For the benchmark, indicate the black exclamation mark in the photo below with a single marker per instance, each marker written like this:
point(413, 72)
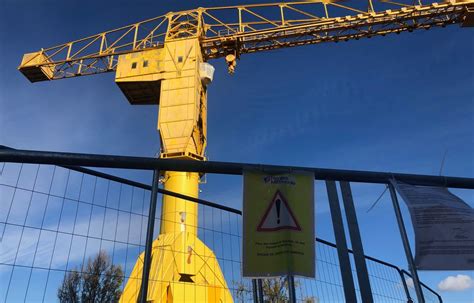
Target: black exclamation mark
point(277, 203)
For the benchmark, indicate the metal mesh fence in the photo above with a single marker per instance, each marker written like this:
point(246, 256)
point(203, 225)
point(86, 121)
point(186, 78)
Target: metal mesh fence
point(385, 280)
point(328, 287)
point(429, 295)
point(54, 219)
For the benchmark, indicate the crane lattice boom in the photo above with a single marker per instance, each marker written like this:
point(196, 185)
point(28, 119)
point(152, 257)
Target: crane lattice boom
point(244, 29)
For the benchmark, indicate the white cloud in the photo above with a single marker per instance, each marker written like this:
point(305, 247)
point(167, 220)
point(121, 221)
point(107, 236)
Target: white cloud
point(456, 283)
point(410, 283)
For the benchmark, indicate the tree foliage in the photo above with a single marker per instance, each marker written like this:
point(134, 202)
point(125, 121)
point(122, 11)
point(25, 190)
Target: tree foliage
point(275, 290)
point(241, 291)
point(99, 282)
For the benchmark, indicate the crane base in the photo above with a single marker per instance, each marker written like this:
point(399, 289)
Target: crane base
point(183, 269)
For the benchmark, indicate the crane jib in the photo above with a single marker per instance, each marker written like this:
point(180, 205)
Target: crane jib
point(239, 30)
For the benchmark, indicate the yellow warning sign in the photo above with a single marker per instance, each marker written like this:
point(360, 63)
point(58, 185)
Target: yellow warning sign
point(278, 225)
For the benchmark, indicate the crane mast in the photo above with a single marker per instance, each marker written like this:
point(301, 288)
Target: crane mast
point(163, 61)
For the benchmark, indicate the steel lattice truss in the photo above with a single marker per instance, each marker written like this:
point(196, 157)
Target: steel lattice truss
point(252, 28)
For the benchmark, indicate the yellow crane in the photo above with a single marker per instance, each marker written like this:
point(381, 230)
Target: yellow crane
point(163, 61)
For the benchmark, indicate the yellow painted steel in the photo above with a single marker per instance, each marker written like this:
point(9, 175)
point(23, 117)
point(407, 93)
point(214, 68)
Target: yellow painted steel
point(32, 71)
point(247, 28)
point(183, 102)
point(179, 215)
point(139, 76)
point(183, 268)
point(172, 255)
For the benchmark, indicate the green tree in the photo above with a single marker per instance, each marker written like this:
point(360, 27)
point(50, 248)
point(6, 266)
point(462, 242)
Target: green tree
point(241, 291)
point(275, 290)
point(99, 282)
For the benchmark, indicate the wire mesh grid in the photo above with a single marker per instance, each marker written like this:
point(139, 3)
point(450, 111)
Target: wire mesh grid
point(385, 281)
point(53, 220)
point(428, 294)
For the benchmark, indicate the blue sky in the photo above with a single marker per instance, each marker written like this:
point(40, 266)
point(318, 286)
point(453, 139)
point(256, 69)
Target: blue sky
point(397, 103)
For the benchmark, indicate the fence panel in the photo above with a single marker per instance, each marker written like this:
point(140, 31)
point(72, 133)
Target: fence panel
point(429, 295)
point(54, 219)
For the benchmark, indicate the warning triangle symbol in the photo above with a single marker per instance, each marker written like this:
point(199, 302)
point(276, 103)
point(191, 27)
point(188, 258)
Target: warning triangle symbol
point(278, 216)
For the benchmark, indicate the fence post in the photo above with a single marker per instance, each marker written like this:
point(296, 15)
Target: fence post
point(291, 288)
point(149, 237)
point(260, 290)
point(254, 291)
point(357, 247)
point(406, 244)
point(339, 234)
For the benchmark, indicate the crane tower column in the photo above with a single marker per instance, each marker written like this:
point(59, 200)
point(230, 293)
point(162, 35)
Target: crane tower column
point(181, 263)
point(182, 126)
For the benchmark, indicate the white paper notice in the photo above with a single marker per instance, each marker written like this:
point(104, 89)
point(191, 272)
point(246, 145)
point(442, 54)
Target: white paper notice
point(443, 225)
